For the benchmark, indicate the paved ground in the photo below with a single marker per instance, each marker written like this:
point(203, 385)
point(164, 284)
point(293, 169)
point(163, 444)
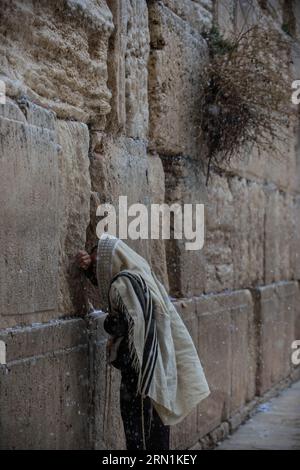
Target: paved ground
point(275, 426)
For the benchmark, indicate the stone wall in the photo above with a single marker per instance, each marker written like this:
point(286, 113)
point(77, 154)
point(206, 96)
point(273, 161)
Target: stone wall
point(102, 101)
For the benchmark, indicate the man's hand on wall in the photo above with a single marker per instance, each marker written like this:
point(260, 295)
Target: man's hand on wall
point(83, 259)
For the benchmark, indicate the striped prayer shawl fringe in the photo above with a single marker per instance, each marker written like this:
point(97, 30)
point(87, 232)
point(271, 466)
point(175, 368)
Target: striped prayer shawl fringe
point(150, 350)
point(122, 308)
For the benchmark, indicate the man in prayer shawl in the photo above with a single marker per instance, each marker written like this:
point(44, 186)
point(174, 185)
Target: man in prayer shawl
point(162, 379)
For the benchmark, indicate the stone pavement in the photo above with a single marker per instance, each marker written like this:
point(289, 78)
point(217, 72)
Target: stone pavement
point(276, 425)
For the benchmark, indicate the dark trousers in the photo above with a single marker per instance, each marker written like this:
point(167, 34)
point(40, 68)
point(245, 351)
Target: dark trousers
point(156, 434)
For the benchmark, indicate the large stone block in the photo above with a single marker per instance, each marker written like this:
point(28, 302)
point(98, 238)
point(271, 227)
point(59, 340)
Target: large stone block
point(297, 317)
point(128, 68)
point(29, 206)
point(185, 434)
point(280, 167)
point(227, 350)
point(121, 167)
point(197, 13)
point(47, 219)
point(184, 182)
point(177, 57)
point(225, 16)
point(235, 236)
point(106, 430)
point(280, 236)
point(235, 17)
point(296, 11)
point(277, 306)
point(74, 211)
point(223, 330)
point(219, 226)
point(247, 240)
point(295, 243)
point(60, 58)
point(251, 234)
point(44, 387)
point(156, 181)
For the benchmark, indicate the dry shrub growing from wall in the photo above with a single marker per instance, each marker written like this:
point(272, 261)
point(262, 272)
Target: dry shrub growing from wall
point(246, 95)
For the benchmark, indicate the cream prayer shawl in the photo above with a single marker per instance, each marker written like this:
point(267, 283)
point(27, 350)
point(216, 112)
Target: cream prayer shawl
point(178, 383)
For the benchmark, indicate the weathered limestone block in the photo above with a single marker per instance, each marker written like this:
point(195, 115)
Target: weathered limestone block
point(127, 67)
point(29, 189)
point(121, 167)
point(295, 176)
point(219, 226)
point(91, 292)
point(248, 14)
point(44, 387)
point(177, 57)
point(296, 11)
point(60, 58)
point(184, 185)
point(234, 241)
point(136, 73)
point(227, 351)
point(274, 8)
point(280, 236)
point(197, 13)
point(280, 168)
point(295, 243)
point(297, 318)
point(225, 16)
point(156, 181)
point(247, 241)
point(116, 119)
point(237, 16)
point(277, 306)
point(74, 211)
point(185, 434)
point(106, 431)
